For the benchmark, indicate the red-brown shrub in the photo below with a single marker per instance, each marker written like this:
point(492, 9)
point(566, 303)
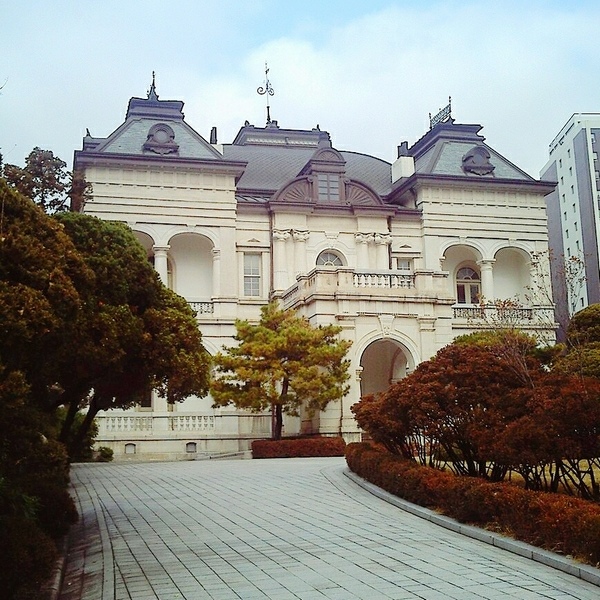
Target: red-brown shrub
point(552, 521)
point(298, 447)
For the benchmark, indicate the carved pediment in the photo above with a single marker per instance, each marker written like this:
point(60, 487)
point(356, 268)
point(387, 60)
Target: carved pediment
point(161, 140)
point(477, 161)
point(358, 195)
point(297, 192)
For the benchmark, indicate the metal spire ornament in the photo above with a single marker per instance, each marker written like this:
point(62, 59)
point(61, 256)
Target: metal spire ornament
point(267, 90)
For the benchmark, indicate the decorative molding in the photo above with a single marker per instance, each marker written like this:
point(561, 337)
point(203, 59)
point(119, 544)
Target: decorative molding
point(300, 236)
point(281, 235)
point(386, 323)
point(161, 140)
point(477, 161)
point(364, 238)
point(383, 239)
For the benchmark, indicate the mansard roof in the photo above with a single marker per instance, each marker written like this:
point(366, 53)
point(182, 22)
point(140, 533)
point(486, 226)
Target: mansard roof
point(266, 159)
point(153, 129)
point(275, 156)
point(460, 151)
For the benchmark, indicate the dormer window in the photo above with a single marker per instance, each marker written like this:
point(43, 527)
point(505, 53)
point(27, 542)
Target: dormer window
point(329, 187)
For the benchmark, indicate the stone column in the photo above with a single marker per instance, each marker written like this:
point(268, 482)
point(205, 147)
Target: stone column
point(300, 238)
point(382, 241)
point(216, 274)
point(280, 238)
point(487, 279)
point(160, 262)
point(362, 253)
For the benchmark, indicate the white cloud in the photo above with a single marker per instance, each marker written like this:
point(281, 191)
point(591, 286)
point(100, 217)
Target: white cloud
point(519, 69)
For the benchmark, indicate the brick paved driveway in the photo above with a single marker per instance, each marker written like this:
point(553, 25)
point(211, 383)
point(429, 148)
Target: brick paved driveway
point(285, 529)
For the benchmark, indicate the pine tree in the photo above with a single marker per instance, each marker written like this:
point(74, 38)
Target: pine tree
point(282, 363)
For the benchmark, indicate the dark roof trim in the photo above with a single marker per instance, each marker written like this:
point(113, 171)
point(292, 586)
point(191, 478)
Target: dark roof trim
point(521, 185)
point(86, 159)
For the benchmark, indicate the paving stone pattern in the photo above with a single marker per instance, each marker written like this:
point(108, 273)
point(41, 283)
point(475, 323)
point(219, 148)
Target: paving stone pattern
point(281, 529)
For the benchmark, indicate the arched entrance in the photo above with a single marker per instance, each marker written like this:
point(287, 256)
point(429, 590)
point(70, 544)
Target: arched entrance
point(383, 363)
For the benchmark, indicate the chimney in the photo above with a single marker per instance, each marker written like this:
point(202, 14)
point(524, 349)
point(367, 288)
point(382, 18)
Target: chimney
point(404, 165)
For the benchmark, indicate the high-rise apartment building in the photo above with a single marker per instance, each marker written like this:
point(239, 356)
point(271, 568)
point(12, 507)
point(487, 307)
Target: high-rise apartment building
point(574, 214)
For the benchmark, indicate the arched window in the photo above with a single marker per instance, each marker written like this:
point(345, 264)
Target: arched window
point(468, 288)
point(329, 259)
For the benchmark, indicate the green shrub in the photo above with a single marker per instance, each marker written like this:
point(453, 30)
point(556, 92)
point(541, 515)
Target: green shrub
point(298, 447)
point(27, 556)
point(104, 454)
point(555, 522)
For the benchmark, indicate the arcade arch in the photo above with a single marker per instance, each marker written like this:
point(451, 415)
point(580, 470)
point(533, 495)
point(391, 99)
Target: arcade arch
point(383, 362)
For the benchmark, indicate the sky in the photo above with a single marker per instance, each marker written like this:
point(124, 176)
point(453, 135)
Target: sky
point(369, 72)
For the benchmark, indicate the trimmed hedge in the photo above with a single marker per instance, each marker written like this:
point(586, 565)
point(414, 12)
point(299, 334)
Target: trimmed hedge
point(299, 447)
point(555, 522)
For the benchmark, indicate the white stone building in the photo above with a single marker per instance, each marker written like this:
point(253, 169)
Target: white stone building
point(399, 254)
point(574, 212)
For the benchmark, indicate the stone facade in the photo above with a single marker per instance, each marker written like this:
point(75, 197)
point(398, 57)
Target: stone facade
point(401, 255)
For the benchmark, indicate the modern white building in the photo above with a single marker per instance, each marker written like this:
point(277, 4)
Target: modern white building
point(400, 255)
point(574, 213)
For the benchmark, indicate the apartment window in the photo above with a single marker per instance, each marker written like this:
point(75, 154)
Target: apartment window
point(562, 180)
point(467, 286)
point(575, 224)
point(563, 198)
point(567, 233)
point(571, 171)
point(572, 189)
point(560, 162)
point(573, 207)
point(569, 152)
point(577, 245)
point(252, 275)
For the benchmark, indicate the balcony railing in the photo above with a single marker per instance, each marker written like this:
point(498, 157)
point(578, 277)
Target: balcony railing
point(493, 313)
point(383, 280)
point(203, 308)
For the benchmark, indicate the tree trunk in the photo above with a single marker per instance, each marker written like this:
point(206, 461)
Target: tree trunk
point(79, 436)
point(277, 421)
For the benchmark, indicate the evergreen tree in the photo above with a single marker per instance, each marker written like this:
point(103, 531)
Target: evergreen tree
point(282, 363)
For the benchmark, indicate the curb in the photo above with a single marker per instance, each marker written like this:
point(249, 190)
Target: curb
point(51, 589)
point(550, 559)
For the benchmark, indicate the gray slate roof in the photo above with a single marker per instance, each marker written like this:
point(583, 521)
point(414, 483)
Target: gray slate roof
point(270, 167)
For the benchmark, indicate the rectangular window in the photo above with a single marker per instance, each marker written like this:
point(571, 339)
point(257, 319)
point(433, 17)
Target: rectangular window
point(474, 290)
point(329, 187)
point(252, 275)
point(460, 294)
point(403, 264)
point(567, 233)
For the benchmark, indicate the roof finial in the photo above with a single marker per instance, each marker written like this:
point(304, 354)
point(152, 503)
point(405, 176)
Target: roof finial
point(152, 95)
point(444, 114)
point(267, 91)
